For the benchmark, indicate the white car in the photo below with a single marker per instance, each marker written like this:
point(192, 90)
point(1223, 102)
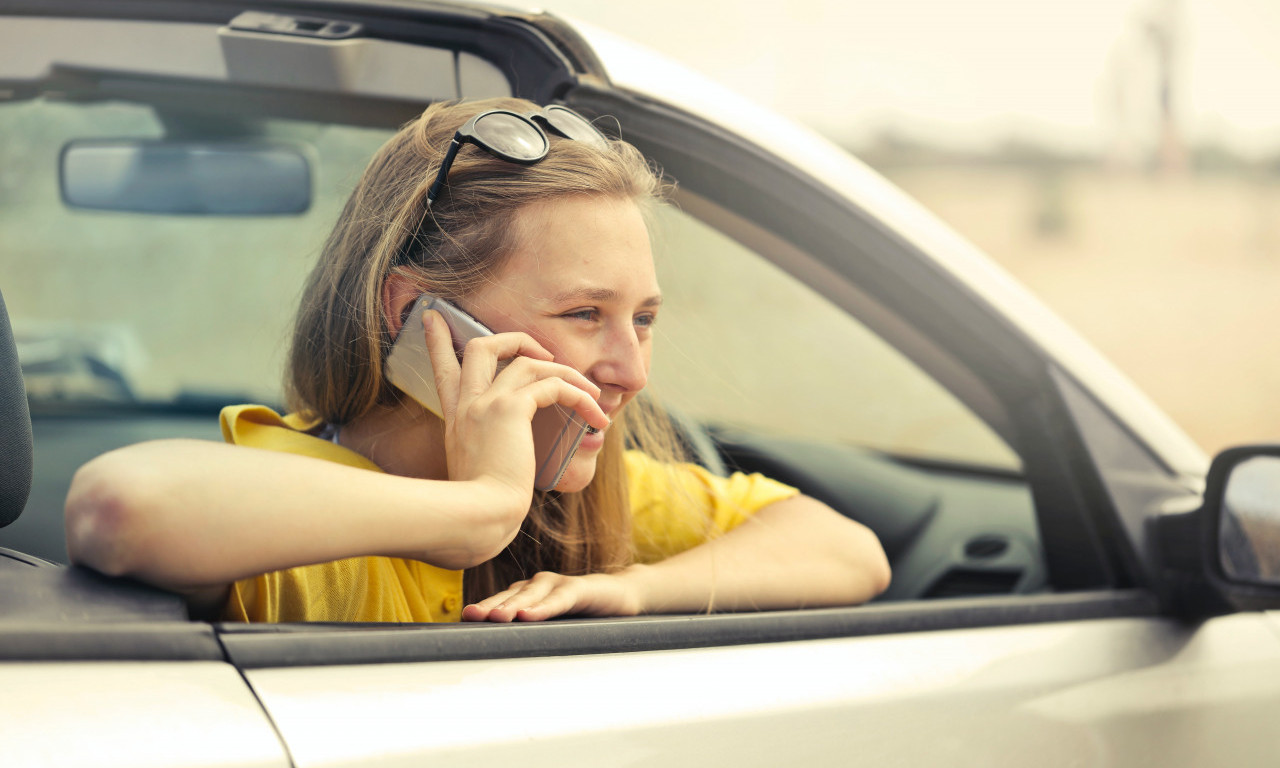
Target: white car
point(1066, 592)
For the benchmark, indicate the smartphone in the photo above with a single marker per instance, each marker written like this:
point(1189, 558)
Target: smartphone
point(557, 430)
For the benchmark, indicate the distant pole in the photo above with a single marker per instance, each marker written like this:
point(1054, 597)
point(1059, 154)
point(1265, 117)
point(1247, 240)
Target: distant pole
point(1163, 31)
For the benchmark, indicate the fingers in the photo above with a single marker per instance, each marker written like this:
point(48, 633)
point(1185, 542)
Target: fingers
point(444, 362)
point(552, 391)
point(545, 596)
point(544, 384)
point(482, 361)
point(548, 595)
point(482, 358)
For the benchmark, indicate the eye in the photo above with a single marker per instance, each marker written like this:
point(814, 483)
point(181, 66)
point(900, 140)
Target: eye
point(587, 315)
point(645, 320)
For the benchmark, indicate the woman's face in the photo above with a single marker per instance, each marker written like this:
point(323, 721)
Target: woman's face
point(582, 283)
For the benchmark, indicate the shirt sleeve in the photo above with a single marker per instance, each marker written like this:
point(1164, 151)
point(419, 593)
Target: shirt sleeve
point(675, 507)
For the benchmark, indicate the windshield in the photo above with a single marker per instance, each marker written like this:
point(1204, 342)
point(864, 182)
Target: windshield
point(193, 312)
point(155, 309)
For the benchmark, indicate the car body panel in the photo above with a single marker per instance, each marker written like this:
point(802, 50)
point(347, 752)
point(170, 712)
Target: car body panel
point(1108, 691)
point(133, 715)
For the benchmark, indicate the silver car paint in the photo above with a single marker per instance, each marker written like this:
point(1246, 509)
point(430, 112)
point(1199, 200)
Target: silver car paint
point(133, 715)
point(1106, 692)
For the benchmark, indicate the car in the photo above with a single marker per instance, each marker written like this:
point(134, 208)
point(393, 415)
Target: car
point(1074, 582)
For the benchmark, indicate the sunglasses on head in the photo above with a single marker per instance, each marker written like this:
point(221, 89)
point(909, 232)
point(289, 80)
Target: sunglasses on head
point(517, 138)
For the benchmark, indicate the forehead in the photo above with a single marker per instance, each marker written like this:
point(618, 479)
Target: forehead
point(581, 242)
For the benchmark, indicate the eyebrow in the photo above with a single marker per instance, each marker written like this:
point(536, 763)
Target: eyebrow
point(601, 295)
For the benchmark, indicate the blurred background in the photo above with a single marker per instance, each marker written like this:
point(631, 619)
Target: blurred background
point(1119, 157)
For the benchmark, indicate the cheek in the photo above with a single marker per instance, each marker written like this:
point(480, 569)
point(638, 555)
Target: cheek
point(565, 351)
point(581, 469)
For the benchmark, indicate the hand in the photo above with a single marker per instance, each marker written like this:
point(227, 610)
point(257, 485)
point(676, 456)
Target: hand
point(548, 595)
point(487, 411)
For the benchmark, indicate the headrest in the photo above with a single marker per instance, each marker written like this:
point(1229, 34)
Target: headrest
point(15, 428)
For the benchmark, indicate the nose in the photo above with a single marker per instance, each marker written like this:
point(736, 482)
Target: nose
point(623, 363)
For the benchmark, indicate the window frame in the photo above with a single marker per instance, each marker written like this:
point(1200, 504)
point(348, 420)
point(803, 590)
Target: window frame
point(936, 321)
point(920, 309)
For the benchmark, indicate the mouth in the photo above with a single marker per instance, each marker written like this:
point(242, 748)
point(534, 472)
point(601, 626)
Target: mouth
point(591, 436)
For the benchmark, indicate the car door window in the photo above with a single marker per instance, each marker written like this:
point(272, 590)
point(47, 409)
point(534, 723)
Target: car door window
point(743, 343)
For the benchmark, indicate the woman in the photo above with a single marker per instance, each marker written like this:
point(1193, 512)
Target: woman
point(411, 517)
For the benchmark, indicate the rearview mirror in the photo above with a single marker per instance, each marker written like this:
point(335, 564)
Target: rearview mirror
point(202, 178)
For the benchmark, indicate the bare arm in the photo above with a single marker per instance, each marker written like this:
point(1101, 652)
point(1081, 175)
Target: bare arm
point(194, 516)
point(792, 554)
point(191, 515)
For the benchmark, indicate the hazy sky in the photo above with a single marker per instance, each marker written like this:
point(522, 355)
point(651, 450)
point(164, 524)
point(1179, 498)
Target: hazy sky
point(1078, 72)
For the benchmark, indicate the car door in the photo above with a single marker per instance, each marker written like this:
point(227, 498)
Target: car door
point(1052, 648)
point(1082, 691)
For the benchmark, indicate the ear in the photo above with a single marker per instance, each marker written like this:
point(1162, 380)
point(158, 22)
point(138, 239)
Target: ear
point(398, 294)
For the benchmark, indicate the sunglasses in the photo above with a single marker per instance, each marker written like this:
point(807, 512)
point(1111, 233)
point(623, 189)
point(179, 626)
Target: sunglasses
point(517, 138)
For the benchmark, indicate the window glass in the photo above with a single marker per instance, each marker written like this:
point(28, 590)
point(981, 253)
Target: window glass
point(744, 344)
point(110, 305)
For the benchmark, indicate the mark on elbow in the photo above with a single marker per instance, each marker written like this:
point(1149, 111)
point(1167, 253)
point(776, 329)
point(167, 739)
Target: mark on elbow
point(99, 520)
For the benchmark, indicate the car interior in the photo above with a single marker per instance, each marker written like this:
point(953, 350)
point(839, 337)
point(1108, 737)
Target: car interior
point(147, 288)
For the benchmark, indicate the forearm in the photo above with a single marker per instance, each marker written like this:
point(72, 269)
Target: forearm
point(188, 514)
point(793, 554)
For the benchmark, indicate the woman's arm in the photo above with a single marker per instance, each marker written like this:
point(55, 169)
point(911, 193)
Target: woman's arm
point(194, 516)
point(797, 553)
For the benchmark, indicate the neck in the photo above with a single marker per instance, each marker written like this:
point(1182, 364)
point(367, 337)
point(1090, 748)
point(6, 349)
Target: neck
point(403, 440)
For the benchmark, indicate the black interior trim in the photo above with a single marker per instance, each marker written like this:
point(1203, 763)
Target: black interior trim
point(896, 502)
point(37, 595)
point(164, 641)
point(259, 646)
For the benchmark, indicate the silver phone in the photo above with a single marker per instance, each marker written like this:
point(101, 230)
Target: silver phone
point(557, 430)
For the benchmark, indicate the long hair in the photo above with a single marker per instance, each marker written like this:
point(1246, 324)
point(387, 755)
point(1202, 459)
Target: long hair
point(341, 339)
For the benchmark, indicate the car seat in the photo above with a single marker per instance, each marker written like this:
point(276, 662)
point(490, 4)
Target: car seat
point(15, 441)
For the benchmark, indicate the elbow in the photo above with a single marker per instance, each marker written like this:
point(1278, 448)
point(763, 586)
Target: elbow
point(879, 572)
point(871, 565)
point(105, 516)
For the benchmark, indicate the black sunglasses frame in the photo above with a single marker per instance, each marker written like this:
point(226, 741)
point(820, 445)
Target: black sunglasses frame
point(548, 116)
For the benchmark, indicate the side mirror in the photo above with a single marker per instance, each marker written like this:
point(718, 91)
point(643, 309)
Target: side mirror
point(1225, 555)
point(1249, 520)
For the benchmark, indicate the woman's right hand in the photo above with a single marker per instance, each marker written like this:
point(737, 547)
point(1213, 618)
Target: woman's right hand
point(488, 412)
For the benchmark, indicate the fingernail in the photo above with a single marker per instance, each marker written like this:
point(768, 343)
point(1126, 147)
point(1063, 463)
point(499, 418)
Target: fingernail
point(427, 319)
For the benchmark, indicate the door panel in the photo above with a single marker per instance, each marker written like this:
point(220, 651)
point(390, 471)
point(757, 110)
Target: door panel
point(134, 714)
point(1081, 693)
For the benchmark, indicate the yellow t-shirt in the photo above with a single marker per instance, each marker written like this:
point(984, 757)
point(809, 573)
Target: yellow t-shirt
point(401, 590)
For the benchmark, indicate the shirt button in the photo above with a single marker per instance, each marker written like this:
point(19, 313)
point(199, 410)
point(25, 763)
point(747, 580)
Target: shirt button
point(451, 604)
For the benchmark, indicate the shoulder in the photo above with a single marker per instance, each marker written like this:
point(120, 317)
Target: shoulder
point(258, 426)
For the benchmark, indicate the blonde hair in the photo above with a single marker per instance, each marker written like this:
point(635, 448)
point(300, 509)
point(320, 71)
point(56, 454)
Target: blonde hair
point(341, 338)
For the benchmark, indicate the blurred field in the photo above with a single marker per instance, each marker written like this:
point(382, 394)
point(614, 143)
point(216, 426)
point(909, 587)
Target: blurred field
point(1174, 279)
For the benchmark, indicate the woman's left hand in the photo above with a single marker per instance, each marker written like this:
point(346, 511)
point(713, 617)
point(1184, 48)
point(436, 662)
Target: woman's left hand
point(548, 595)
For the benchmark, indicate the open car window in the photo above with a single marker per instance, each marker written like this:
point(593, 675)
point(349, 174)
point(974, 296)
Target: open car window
point(745, 345)
point(185, 313)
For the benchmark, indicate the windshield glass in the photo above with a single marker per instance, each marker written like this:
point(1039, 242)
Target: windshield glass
point(115, 306)
point(194, 311)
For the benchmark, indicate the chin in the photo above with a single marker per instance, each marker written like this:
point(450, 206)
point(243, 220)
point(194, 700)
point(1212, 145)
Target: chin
point(581, 469)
